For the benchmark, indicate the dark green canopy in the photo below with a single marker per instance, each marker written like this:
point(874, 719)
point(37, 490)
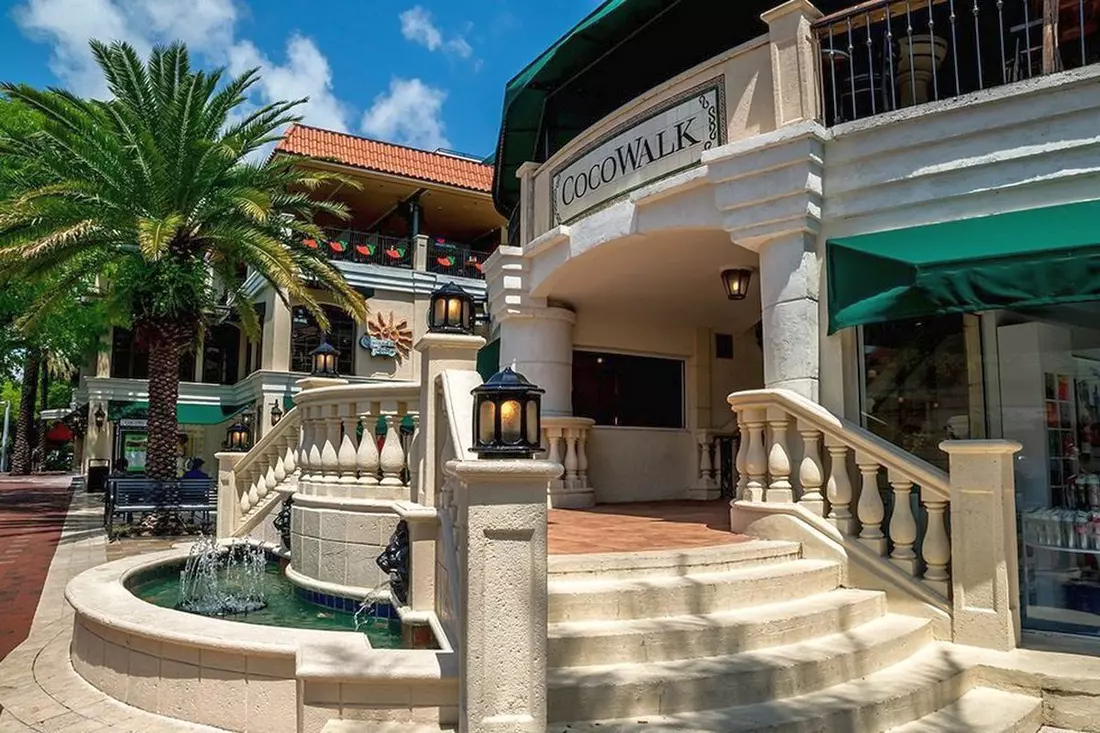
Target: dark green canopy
point(1018, 259)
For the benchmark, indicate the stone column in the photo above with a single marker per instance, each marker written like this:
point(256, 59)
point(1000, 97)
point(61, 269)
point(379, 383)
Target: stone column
point(985, 587)
point(420, 253)
point(276, 335)
point(794, 66)
point(502, 668)
point(228, 501)
point(526, 175)
point(539, 340)
point(789, 284)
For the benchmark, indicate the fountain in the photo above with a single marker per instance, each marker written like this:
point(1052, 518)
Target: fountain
point(223, 581)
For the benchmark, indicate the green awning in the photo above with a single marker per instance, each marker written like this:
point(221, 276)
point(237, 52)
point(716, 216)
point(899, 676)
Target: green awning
point(1019, 259)
point(185, 414)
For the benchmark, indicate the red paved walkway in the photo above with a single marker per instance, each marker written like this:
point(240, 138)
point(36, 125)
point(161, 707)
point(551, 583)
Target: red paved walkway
point(656, 525)
point(32, 513)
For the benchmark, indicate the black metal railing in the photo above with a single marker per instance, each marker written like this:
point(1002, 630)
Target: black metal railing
point(365, 247)
point(448, 258)
point(889, 54)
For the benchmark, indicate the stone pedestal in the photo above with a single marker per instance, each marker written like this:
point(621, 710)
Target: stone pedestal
point(985, 586)
point(228, 500)
point(503, 655)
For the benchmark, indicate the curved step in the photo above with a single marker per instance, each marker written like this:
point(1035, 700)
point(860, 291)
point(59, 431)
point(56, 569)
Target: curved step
point(687, 561)
point(683, 685)
point(660, 596)
point(931, 679)
point(982, 709)
point(576, 643)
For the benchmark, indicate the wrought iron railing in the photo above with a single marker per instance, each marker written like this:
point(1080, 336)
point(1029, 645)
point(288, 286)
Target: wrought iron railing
point(366, 247)
point(889, 54)
point(448, 258)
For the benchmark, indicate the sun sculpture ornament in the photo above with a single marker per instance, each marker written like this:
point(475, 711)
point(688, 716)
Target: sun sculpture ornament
point(389, 337)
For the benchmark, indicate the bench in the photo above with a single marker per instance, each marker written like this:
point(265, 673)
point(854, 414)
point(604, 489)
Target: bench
point(141, 495)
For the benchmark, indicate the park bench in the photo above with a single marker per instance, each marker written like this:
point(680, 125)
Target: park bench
point(140, 495)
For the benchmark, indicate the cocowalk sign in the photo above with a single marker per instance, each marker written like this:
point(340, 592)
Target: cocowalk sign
point(662, 141)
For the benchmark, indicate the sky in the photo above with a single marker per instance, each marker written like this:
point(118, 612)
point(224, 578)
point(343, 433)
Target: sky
point(424, 73)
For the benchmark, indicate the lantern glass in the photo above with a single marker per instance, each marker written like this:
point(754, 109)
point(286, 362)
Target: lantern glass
point(324, 360)
point(736, 282)
point(533, 421)
point(237, 437)
point(486, 422)
point(511, 425)
point(451, 310)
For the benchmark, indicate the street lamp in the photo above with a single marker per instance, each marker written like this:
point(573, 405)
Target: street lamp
point(507, 416)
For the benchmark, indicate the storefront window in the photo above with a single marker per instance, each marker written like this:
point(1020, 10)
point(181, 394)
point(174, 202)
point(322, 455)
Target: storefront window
point(306, 336)
point(917, 386)
point(220, 355)
point(631, 391)
point(1049, 372)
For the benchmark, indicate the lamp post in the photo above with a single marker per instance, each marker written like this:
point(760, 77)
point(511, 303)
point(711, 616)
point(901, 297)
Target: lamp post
point(736, 282)
point(507, 417)
point(451, 310)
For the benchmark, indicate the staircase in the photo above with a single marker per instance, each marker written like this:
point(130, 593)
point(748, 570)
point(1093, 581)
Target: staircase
point(750, 637)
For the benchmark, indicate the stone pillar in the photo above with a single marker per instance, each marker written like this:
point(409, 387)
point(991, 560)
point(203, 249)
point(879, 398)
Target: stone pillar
point(438, 352)
point(789, 284)
point(985, 587)
point(97, 440)
point(502, 668)
point(540, 343)
point(794, 66)
point(526, 175)
point(276, 335)
point(228, 501)
point(420, 253)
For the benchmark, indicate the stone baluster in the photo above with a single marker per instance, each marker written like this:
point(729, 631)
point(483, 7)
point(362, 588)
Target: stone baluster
point(742, 457)
point(810, 472)
point(756, 457)
point(244, 486)
point(346, 456)
point(330, 459)
point(412, 456)
point(582, 458)
point(280, 464)
point(290, 461)
point(936, 547)
point(269, 483)
point(316, 438)
point(779, 458)
point(570, 458)
point(553, 452)
point(870, 509)
point(255, 478)
point(367, 458)
point(903, 526)
point(302, 449)
point(838, 488)
point(392, 458)
point(706, 464)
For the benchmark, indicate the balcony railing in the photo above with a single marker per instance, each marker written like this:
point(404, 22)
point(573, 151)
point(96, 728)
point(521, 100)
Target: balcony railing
point(443, 257)
point(889, 54)
point(447, 258)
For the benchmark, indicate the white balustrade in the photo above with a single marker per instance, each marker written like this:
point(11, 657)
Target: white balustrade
point(260, 475)
point(764, 460)
point(392, 457)
point(566, 441)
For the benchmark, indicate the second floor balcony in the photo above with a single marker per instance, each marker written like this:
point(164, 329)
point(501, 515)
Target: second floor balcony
point(371, 248)
point(885, 55)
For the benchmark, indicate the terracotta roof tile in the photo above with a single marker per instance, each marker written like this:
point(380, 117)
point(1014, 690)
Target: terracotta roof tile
point(386, 157)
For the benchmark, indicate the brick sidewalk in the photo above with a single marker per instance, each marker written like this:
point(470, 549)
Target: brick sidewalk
point(32, 513)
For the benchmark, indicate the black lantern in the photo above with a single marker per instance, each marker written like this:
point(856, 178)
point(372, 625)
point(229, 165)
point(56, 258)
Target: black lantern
point(736, 282)
point(507, 417)
point(451, 310)
point(324, 360)
point(276, 413)
point(238, 438)
point(100, 416)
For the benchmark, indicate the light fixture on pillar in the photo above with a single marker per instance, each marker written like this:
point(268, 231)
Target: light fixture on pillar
point(507, 416)
point(451, 310)
point(238, 438)
point(100, 416)
point(324, 358)
point(276, 413)
point(736, 282)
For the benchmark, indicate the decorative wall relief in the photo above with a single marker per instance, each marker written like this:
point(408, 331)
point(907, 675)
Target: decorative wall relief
point(387, 337)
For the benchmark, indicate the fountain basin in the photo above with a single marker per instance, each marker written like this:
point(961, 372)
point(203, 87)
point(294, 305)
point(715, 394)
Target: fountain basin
point(245, 676)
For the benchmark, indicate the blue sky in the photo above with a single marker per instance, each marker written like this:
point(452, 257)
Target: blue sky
point(427, 73)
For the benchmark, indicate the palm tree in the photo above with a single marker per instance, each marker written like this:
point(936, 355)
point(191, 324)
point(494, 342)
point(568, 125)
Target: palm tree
point(156, 193)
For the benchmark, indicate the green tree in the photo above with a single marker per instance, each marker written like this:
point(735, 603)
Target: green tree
point(157, 192)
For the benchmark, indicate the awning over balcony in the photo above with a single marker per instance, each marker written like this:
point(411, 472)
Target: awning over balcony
point(1019, 259)
point(185, 414)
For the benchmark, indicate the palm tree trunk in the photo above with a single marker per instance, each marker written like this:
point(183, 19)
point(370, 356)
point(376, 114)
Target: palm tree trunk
point(165, 348)
point(44, 383)
point(24, 425)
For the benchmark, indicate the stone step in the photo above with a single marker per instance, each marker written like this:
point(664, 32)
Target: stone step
point(931, 679)
point(688, 561)
point(578, 643)
point(982, 709)
point(684, 685)
point(662, 596)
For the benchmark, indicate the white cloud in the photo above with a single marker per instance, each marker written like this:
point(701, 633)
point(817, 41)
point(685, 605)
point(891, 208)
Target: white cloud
point(410, 113)
point(306, 73)
point(418, 26)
